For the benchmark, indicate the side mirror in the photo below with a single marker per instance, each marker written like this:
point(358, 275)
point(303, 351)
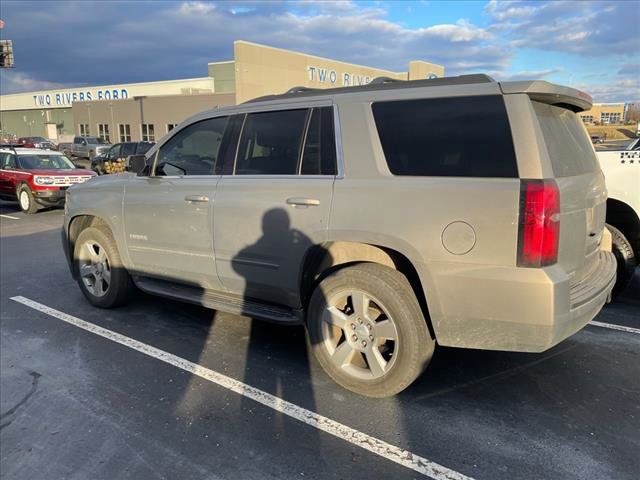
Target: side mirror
point(137, 163)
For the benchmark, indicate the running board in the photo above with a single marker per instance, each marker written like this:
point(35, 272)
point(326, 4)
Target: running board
point(219, 301)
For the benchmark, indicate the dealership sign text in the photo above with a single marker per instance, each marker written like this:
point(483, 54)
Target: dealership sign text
point(67, 98)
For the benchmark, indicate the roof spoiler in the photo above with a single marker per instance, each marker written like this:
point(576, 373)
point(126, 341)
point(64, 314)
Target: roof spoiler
point(550, 93)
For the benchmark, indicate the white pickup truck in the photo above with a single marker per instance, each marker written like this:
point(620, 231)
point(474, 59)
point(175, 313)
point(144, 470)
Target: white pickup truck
point(622, 174)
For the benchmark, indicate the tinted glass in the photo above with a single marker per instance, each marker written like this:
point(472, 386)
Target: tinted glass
point(567, 140)
point(128, 149)
point(447, 137)
point(270, 143)
point(143, 147)
point(193, 150)
point(319, 157)
point(7, 160)
point(114, 152)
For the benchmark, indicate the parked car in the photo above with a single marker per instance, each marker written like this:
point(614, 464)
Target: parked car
point(622, 174)
point(37, 178)
point(119, 152)
point(88, 147)
point(367, 214)
point(36, 142)
point(595, 139)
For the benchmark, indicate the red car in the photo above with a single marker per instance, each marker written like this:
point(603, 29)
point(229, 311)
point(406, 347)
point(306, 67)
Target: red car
point(37, 178)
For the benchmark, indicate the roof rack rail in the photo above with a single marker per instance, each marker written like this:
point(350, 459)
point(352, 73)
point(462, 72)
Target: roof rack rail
point(383, 80)
point(380, 83)
point(299, 89)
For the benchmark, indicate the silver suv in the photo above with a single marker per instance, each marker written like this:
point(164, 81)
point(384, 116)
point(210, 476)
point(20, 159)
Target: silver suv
point(386, 218)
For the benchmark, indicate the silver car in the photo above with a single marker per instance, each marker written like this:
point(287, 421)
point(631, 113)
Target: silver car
point(386, 218)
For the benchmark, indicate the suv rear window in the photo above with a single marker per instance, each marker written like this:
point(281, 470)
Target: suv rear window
point(447, 137)
point(568, 143)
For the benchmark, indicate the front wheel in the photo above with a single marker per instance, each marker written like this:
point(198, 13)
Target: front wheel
point(27, 201)
point(101, 276)
point(367, 330)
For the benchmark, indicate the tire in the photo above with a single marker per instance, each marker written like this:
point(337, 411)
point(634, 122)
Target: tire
point(625, 258)
point(101, 275)
point(394, 320)
point(26, 200)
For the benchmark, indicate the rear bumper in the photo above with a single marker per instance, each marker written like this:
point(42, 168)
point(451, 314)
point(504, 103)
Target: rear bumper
point(517, 309)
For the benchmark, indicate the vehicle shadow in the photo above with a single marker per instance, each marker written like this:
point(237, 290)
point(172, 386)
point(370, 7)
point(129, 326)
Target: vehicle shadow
point(9, 207)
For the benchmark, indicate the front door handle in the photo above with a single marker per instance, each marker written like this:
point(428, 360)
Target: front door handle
point(303, 202)
point(197, 198)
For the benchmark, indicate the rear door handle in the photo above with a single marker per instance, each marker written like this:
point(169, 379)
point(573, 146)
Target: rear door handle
point(197, 198)
point(303, 202)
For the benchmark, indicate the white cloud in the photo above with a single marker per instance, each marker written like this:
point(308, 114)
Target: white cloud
point(593, 28)
point(502, 11)
point(462, 31)
point(198, 8)
point(13, 82)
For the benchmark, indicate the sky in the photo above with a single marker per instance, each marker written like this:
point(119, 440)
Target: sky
point(590, 45)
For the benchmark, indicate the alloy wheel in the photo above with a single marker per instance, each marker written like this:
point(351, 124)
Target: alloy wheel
point(360, 336)
point(94, 268)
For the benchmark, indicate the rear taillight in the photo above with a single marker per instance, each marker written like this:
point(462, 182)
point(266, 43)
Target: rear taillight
point(539, 225)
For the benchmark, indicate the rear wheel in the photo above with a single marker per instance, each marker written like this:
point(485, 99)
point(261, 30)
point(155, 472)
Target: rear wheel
point(101, 276)
point(367, 330)
point(26, 199)
point(625, 258)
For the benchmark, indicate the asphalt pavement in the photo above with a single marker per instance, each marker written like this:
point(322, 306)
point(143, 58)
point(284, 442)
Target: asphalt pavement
point(130, 394)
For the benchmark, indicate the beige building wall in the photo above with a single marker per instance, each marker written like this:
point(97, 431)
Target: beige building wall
point(604, 113)
point(262, 70)
point(157, 110)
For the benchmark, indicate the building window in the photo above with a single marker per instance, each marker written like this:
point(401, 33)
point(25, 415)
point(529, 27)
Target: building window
point(83, 128)
point(610, 117)
point(103, 132)
point(125, 132)
point(587, 118)
point(171, 126)
point(148, 134)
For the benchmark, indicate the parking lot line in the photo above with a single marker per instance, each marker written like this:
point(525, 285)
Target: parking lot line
point(374, 445)
point(9, 216)
point(613, 326)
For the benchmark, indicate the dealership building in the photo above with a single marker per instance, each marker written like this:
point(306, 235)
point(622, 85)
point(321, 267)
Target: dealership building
point(604, 114)
point(147, 111)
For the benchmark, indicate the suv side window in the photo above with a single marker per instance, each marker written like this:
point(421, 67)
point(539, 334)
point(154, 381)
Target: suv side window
point(7, 161)
point(128, 149)
point(319, 156)
point(447, 137)
point(193, 150)
point(270, 143)
point(114, 152)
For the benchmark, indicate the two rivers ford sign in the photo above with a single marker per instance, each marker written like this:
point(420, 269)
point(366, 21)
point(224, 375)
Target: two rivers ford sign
point(67, 98)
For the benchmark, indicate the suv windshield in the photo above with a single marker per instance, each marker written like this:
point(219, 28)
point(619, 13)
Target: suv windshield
point(55, 162)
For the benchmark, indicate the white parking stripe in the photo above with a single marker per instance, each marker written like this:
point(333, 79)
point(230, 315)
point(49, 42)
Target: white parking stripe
point(344, 432)
point(612, 326)
point(9, 216)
